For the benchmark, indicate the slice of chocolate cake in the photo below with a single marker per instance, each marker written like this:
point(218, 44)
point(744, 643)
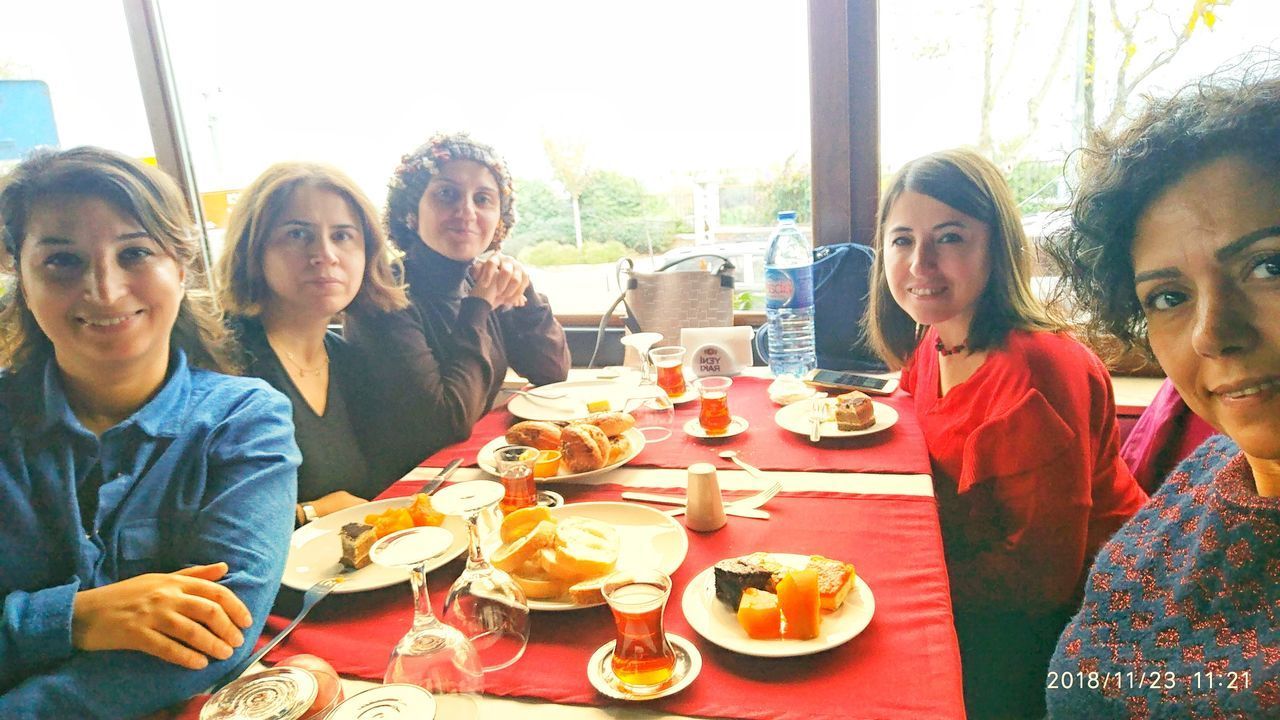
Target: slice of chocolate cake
point(737, 574)
point(356, 538)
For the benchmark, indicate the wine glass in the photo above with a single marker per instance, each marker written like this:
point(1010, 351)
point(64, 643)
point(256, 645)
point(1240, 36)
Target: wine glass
point(641, 342)
point(485, 603)
point(432, 655)
point(654, 412)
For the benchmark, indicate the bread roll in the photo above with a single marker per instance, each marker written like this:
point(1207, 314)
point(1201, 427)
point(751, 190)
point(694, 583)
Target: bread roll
point(583, 448)
point(612, 423)
point(534, 433)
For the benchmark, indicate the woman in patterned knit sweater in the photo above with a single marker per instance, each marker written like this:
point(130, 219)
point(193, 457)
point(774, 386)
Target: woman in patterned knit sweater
point(1175, 243)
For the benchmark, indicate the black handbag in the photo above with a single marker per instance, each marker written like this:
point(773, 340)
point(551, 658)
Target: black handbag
point(841, 284)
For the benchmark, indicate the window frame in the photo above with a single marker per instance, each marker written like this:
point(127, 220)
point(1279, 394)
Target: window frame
point(844, 122)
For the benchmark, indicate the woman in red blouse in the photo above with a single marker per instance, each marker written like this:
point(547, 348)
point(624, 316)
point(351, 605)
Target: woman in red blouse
point(1019, 419)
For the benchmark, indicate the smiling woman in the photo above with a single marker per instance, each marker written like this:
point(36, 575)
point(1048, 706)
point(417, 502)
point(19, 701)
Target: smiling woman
point(148, 496)
point(1018, 417)
point(1175, 244)
point(473, 311)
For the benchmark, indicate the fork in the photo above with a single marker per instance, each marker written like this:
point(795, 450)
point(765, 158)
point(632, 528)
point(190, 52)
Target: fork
point(314, 595)
point(537, 396)
point(760, 498)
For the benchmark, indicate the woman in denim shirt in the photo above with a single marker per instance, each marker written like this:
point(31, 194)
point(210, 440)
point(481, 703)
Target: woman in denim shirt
point(148, 500)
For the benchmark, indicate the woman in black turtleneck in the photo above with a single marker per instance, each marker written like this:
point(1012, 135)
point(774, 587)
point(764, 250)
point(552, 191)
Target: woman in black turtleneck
point(472, 312)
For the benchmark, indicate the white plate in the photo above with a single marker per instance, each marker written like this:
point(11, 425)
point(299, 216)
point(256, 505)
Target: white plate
point(580, 392)
point(715, 622)
point(737, 426)
point(796, 418)
point(648, 538)
point(315, 551)
point(484, 458)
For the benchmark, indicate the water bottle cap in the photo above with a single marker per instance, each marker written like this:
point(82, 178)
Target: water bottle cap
point(786, 215)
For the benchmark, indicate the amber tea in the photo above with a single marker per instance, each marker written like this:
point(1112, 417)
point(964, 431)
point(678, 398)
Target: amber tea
point(643, 660)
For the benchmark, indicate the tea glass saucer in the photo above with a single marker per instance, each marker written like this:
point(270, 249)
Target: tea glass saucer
point(737, 426)
point(688, 665)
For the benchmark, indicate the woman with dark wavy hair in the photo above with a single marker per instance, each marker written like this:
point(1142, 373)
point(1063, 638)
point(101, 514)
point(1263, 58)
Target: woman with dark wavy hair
point(1174, 246)
point(147, 499)
point(1018, 416)
point(473, 312)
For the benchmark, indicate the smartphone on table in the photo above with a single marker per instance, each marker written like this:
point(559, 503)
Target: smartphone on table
point(846, 381)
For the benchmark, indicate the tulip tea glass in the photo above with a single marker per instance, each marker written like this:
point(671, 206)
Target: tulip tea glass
point(713, 394)
point(643, 659)
point(515, 465)
point(485, 603)
point(670, 364)
point(432, 655)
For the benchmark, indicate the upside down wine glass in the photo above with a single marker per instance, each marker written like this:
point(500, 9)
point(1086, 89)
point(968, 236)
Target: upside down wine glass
point(485, 603)
point(432, 655)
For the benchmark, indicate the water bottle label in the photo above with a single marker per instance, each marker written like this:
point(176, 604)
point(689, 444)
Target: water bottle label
point(788, 287)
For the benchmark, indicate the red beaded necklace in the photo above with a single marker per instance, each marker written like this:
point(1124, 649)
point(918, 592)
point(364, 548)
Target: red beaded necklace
point(945, 351)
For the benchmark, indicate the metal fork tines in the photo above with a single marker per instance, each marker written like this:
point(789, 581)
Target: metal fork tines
point(314, 595)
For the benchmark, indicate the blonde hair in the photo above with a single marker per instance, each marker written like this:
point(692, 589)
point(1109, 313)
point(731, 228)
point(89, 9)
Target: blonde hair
point(135, 190)
point(244, 283)
point(968, 182)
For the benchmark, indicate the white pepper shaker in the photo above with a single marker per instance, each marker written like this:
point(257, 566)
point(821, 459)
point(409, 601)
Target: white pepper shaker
point(705, 506)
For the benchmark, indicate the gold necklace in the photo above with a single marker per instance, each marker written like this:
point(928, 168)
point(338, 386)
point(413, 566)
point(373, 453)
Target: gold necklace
point(308, 372)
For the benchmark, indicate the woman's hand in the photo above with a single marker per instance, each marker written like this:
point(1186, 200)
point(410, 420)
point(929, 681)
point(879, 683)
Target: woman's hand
point(180, 617)
point(500, 281)
point(335, 501)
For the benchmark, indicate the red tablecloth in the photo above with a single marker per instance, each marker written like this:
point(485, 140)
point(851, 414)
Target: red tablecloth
point(899, 449)
point(905, 664)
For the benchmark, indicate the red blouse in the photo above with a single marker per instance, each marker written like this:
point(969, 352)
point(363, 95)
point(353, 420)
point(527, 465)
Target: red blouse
point(1026, 469)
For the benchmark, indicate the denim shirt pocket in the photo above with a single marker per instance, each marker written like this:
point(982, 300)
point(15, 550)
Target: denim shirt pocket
point(139, 548)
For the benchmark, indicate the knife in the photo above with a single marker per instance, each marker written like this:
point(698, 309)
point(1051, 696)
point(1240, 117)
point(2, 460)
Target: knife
point(440, 477)
point(729, 509)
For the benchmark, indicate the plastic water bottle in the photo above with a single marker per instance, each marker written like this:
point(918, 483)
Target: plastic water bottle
point(788, 291)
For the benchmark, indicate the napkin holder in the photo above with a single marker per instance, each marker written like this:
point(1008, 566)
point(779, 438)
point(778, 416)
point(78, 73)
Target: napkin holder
point(717, 350)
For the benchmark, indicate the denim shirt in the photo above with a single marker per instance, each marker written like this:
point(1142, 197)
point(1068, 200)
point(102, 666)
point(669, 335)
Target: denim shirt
point(206, 471)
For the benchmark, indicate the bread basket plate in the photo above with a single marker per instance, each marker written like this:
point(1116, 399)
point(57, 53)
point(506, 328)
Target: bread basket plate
point(647, 538)
point(315, 551)
point(621, 396)
point(484, 458)
point(713, 620)
point(797, 418)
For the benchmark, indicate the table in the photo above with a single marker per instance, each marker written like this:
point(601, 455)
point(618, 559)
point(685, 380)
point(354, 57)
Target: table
point(906, 664)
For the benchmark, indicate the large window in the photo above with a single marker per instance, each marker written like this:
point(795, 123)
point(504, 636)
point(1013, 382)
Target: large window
point(1024, 82)
point(632, 130)
point(87, 67)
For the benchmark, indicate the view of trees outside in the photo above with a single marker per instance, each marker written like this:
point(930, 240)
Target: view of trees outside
point(631, 129)
point(1025, 82)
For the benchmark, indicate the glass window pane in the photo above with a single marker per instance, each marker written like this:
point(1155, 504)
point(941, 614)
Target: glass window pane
point(88, 67)
point(1024, 82)
point(674, 123)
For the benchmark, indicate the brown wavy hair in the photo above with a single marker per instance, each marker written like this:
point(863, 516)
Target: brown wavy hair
point(138, 191)
point(244, 284)
point(1235, 112)
point(968, 182)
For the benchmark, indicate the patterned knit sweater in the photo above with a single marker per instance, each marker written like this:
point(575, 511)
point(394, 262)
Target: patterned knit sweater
point(1181, 615)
